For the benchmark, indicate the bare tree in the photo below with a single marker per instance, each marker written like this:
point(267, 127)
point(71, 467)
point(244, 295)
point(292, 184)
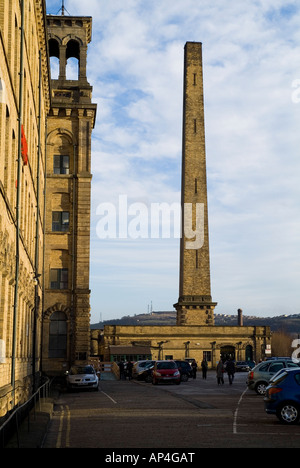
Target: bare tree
point(281, 343)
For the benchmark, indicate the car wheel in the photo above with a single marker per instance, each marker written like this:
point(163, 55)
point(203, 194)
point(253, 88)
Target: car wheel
point(288, 413)
point(184, 378)
point(148, 379)
point(260, 388)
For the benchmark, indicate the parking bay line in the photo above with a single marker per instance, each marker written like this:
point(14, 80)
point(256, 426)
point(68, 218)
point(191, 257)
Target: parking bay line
point(109, 397)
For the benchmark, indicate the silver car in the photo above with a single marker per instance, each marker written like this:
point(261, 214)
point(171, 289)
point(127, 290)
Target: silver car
point(82, 377)
point(259, 377)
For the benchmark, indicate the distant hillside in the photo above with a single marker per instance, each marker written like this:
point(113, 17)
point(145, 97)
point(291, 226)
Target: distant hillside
point(288, 323)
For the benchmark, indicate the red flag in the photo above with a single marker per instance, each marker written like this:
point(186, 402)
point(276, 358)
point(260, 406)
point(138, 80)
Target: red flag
point(24, 147)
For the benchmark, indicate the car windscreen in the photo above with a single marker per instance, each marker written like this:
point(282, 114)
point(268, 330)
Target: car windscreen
point(149, 364)
point(166, 365)
point(82, 370)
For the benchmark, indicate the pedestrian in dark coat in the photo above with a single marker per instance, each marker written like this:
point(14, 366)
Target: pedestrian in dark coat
point(122, 371)
point(194, 368)
point(129, 369)
point(230, 369)
point(220, 373)
point(204, 366)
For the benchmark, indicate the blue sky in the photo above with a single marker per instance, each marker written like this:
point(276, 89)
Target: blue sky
point(251, 59)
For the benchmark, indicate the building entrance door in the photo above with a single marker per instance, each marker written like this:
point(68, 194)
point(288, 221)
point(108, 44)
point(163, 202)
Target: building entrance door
point(227, 352)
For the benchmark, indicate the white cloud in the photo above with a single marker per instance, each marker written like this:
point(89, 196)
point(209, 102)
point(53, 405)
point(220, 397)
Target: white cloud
point(251, 58)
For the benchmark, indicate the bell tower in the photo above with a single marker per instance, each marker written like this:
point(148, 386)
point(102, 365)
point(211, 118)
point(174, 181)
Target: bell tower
point(68, 195)
point(194, 306)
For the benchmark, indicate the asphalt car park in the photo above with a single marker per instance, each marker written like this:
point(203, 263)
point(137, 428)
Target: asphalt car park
point(196, 414)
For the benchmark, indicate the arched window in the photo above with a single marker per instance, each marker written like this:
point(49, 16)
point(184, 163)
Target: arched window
point(58, 335)
point(54, 58)
point(249, 353)
point(73, 57)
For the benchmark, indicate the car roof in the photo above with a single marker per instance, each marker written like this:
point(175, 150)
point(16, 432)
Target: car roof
point(292, 369)
point(165, 360)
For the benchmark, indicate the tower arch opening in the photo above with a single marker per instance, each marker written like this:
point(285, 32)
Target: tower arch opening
point(73, 60)
point(54, 58)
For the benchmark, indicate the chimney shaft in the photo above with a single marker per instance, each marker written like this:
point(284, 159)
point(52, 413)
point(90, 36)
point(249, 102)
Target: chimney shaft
point(240, 317)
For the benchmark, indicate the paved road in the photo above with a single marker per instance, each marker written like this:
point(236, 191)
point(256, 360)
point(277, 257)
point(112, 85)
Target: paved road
point(194, 415)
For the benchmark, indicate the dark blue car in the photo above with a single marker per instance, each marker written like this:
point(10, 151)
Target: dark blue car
point(283, 396)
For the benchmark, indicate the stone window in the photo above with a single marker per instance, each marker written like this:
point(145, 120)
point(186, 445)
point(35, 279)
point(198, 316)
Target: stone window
point(61, 164)
point(60, 221)
point(59, 278)
point(58, 335)
point(207, 355)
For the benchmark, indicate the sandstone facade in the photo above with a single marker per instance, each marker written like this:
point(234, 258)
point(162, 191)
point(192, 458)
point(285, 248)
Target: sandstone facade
point(45, 183)
point(24, 105)
point(70, 122)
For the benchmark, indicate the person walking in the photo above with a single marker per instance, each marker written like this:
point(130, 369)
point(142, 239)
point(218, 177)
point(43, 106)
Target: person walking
point(230, 369)
point(194, 368)
point(220, 373)
point(122, 371)
point(204, 367)
point(129, 370)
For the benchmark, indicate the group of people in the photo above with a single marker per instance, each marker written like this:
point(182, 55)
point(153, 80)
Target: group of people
point(204, 367)
point(228, 367)
point(125, 370)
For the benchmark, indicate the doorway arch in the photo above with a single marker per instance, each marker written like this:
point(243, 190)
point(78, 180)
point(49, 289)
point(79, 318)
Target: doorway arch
point(249, 353)
point(227, 352)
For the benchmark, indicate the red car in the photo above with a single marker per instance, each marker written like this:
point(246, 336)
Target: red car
point(165, 371)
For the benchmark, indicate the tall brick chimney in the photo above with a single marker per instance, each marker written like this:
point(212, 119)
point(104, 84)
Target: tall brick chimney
point(240, 317)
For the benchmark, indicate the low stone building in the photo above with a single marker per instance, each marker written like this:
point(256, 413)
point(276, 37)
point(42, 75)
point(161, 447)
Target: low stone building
point(122, 343)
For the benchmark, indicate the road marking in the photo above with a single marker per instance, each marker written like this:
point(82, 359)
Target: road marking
point(109, 397)
point(58, 442)
point(236, 412)
point(68, 427)
point(64, 410)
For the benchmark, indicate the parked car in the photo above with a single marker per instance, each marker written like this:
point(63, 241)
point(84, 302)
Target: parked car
point(260, 375)
point(276, 358)
point(242, 366)
point(146, 374)
point(185, 370)
point(283, 396)
point(138, 366)
point(251, 364)
point(190, 360)
point(165, 371)
point(83, 377)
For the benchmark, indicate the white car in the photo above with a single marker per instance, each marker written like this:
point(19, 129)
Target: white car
point(139, 366)
point(83, 377)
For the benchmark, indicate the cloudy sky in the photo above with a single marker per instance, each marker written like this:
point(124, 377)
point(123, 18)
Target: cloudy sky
point(251, 59)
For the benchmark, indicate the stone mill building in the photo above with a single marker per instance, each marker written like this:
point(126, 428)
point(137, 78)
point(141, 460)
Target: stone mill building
point(46, 124)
